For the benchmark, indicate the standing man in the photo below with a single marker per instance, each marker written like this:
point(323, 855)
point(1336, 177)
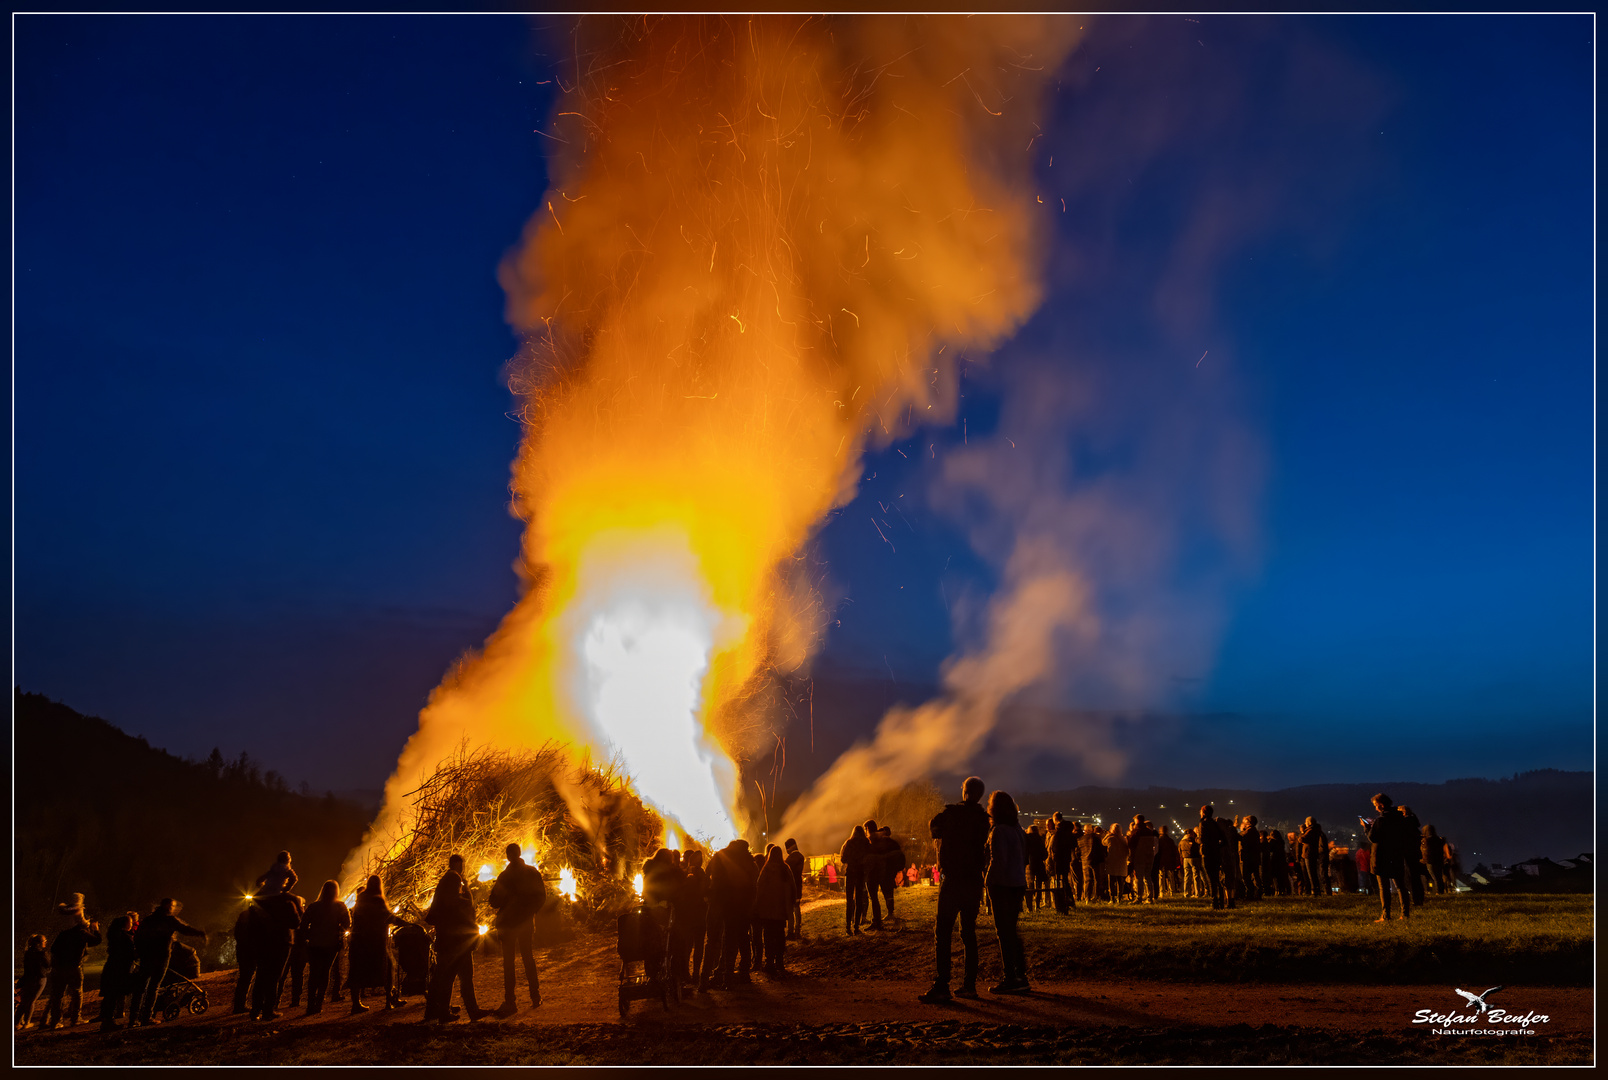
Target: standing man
point(1313, 846)
point(117, 977)
point(452, 913)
point(892, 855)
point(961, 831)
point(153, 941)
point(1393, 839)
point(1250, 841)
point(281, 917)
point(1063, 843)
point(79, 935)
point(733, 879)
point(517, 896)
point(1211, 854)
point(795, 866)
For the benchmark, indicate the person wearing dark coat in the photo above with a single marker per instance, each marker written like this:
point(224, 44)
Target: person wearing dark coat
point(773, 899)
point(690, 921)
point(517, 896)
point(324, 928)
point(153, 941)
point(854, 856)
point(117, 977)
point(452, 913)
point(1392, 837)
point(1250, 855)
point(67, 963)
point(1063, 843)
point(1311, 845)
point(372, 919)
point(248, 937)
point(296, 964)
point(1038, 878)
point(1210, 845)
point(1168, 861)
point(1006, 879)
point(732, 880)
point(795, 865)
point(961, 831)
point(1433, 850)
point(1091, 852)
point(35, 972)
point(887, 861)
point(1228, 837)
point(1415, 861)
point(281, 915)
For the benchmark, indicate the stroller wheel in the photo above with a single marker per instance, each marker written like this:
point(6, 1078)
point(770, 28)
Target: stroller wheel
point(198, 1005)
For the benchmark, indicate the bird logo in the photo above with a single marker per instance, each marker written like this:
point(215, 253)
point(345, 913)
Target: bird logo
point(1477, 1001)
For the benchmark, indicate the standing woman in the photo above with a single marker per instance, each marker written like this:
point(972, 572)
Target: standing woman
point(855, 854)
point(370, 961)
point(324, 928)
point(1007, 888)
point(1116, 863)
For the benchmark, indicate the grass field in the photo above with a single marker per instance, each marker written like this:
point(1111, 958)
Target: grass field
point(1537, 940)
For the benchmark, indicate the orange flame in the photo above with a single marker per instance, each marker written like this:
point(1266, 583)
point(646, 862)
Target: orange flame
point(766, 243)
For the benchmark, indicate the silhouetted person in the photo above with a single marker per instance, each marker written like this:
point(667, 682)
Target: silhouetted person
point(773, 899)
point(1038, 876)
point(117, 977)
point(732, 879)
point(153, 941)
point(690, 921)
point(517, 896)
point(795, 864)
point(856, 853)
point(324, 926)
point(75, 936)
point(1142, 849)
point(1393, 838)
point(452, 913)
point(280, 917)
point(1279, 860)
point(370, 954)
point(1250, 853)
point(278, 878)
point(248, 936)
point(1006, 879)
point(1168, 862)
point(961, 832)
point(1210, 842)
point(1415, 861)
point(31, 984)
point(1433, 850)
point(1312, 847)
point(1116, 861)
point(296, 965)
point(1189, 856)
point(889, 858)
point(1228, 837)
point(1063, 845)
point(1091, 847)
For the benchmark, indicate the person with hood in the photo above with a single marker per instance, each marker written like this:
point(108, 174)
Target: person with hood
point(1116, 862)
point(281, 915)
point(1038, 876)
point(452, 913)
point(1312, 847)
point(1209, 841)
point(1168, 863)
point(773, 899)
point(76, 937)
point(1006, 880)
point(961, 832)
point(517, 896)
point(324, 926)
point(278, 878)
point(1143, 848)
point(153, 942)
point(732, 881)
point(854, 856)
point(31, 984)
point(689, 923)
point(795, 865)
point(1392, 837)
point(1092, 850)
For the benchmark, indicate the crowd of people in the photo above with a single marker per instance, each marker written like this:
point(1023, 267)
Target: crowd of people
point(722, 922)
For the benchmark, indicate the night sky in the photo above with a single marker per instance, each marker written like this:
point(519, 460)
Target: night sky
point(1320, 307)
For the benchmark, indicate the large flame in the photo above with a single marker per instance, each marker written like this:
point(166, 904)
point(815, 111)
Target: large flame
point(766, 243)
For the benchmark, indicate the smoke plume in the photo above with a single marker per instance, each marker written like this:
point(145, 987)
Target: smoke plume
point(765, 242)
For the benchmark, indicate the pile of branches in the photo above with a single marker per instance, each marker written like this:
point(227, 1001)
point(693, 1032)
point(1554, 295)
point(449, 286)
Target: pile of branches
point(575, 815)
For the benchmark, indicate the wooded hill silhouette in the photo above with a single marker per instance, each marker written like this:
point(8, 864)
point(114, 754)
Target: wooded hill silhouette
point(106, 814)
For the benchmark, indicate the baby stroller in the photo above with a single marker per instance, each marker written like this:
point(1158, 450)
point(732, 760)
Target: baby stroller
point(644, 962)
point(177, 994)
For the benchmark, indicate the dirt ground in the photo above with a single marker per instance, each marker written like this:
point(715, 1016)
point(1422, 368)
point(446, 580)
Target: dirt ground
point(814, 1018)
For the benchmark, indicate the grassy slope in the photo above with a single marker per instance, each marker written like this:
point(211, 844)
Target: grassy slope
point(1540, 940)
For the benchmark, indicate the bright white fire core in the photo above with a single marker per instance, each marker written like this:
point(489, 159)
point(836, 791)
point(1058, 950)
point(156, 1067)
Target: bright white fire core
point(646, 648)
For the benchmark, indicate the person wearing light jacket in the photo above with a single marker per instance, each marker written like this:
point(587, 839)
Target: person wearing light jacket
point(1116, 862)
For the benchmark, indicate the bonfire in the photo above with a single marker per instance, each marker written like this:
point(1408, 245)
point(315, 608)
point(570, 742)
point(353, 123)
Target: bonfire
point(579, 823)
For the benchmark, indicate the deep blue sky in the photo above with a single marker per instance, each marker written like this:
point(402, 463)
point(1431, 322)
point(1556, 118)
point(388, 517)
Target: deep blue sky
point(262, 456)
